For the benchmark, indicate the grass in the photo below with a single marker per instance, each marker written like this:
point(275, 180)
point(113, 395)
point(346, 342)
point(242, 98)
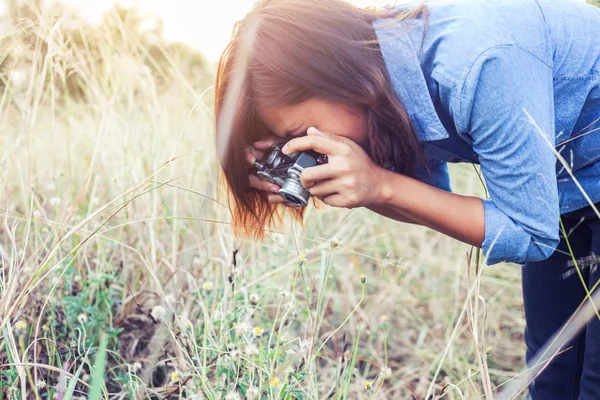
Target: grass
point(114, 246)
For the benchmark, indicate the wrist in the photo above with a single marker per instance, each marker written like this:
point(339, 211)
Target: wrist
point(385, 188)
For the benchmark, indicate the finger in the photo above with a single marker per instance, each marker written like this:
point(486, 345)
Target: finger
point(334, 200)
point(258, 183)
point(267, 142)
point(324, 188)
point(320, 144)
point(275, 198)
point(264, 144)
point(310, 175)
point(250, 157)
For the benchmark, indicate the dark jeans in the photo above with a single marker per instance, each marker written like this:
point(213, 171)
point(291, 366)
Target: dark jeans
point(552, 291)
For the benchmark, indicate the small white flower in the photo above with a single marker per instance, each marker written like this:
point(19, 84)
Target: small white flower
point(82, 318)
point(305, 344)
point(251, 349)
point(207, 286)
point(233, 396)
point(241, 328)
point(252, 393)
point(137, 366)
point(334, 242)
point(386, 372)
point(169, 299)
point(158, 312)
point(54, 201)
point(40, 384)
point(290, 352)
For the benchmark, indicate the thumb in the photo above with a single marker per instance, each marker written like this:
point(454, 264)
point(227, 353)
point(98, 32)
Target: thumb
point(314, 131)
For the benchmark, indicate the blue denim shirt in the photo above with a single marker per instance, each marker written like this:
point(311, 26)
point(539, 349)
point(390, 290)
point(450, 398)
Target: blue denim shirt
point(473, 85)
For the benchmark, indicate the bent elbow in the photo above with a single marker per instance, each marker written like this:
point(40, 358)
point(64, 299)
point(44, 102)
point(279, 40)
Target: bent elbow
point(541, 248)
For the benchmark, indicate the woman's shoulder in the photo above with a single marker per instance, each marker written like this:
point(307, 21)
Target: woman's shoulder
point(458, 32)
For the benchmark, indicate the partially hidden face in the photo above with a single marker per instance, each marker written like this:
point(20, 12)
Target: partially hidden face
point(338, 118)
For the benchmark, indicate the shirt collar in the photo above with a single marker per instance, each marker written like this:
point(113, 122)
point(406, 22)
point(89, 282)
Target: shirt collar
point(408, 79)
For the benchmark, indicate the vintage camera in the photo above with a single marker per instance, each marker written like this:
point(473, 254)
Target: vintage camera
point(284, 170)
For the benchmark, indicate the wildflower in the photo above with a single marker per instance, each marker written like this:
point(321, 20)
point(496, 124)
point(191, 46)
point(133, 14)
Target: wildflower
point(188, 324)
point(207, 286)
point(384, 319)
point(254, 298)
point(196, 262)
point(368, 385)
point(302, 257)
point(241, 328)
point(233, 396)
point(305, 344)
point(334, 242)
point(45, 328)
point(158, 312)
point(20, 326)
point(235, 354)
point(54, 201)
point(290, 352)
point(40, 384)
point(82, 318)
point(386, 372)
point(137, 366)
point(169, 299)
point(251, 350)
point(252, 393)
point(363, 279)
point(174, 376)
point(114, 178)
point(275, 382)
point(488, 351)
point(258, 331)
point(282, 339)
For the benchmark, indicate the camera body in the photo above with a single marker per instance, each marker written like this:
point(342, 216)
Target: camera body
point(284, 170)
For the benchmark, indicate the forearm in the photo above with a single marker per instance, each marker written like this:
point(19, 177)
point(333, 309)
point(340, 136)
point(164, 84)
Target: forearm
point(391, 213)
point(458, 216)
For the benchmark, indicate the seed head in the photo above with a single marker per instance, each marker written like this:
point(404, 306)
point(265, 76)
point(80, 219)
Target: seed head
point(488, 351)
point(386, 372)
point(254, 298)
point(20, 326)
point(363, 279)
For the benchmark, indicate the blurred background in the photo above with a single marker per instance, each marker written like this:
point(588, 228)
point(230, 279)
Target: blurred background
point(119, 273)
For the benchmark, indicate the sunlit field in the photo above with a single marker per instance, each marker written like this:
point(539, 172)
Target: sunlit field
point(120, 276)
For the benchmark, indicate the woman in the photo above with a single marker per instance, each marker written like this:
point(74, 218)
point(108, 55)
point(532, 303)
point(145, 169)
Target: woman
point(506, 84)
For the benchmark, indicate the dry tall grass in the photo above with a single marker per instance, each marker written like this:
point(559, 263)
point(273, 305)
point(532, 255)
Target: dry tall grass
point(111, 225)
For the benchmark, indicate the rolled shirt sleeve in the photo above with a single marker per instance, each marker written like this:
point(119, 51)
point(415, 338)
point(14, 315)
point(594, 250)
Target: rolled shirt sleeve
point(517, 162)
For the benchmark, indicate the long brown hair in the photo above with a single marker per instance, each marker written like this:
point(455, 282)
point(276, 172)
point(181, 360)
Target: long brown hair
point(287, 51)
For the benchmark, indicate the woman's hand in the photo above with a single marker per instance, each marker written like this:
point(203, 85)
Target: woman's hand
point(257, 152)
point(350, 178)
